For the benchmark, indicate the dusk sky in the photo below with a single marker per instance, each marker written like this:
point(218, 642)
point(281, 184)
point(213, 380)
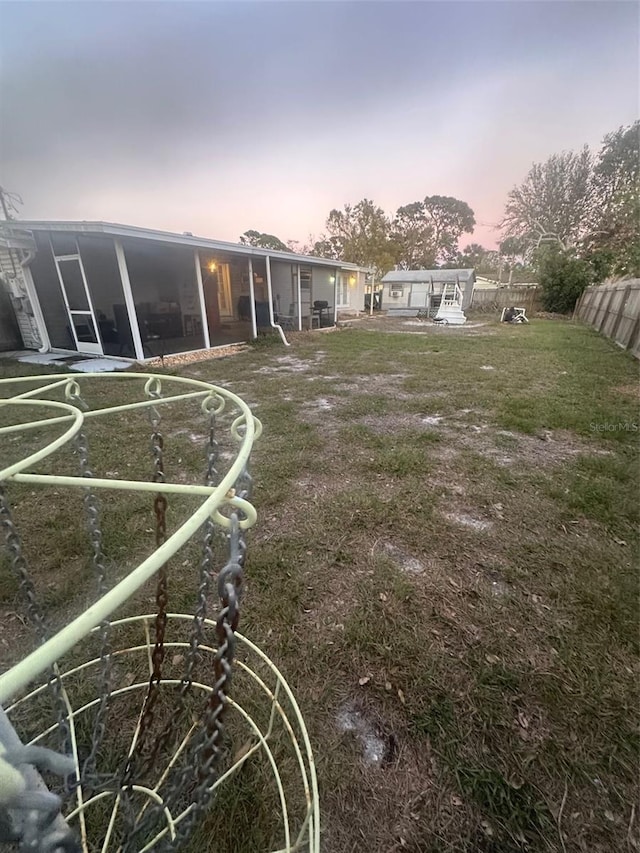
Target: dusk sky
point(215, 118)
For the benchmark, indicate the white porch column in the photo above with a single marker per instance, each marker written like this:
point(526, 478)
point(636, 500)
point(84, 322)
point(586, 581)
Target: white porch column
point(336, 274)
point(203, 307)
point(299, 301)
point(128, 300)
point(252, 302)
point(267, 264)
point(373, 281)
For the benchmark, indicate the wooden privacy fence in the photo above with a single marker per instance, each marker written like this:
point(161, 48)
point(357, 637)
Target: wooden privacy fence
point(613, 309)
point(498, 298)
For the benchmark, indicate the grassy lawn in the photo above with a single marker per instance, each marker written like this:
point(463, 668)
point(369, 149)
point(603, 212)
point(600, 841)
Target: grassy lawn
point(444, 568)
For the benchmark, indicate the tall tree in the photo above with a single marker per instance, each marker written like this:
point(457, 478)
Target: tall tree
point(360, 234)
point(472, 256)
point(427, 232)
point(615, 218)
point(450, 218)
point(9, 204)
point(414, 236)
point(329, 247)
point(263, 241)
point(554, 201)
point(513, 255)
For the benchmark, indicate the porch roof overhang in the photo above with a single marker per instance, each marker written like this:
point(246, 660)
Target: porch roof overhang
point(111, 229)
point(17, 238)
point(420, 276)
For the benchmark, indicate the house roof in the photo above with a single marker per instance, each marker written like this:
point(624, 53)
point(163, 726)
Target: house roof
point(113, 229)
point(409, 276)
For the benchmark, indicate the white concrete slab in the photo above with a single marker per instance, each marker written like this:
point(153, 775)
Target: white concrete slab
point(100, 365)
point(43, 358)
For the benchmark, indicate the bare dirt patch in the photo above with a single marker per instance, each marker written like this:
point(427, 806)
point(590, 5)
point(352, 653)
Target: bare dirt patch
point(390, 424)
point(402, 559)
point(629, 390)
point(376, 748)
point(412, 326)
point(284, 364)
point(466, 520)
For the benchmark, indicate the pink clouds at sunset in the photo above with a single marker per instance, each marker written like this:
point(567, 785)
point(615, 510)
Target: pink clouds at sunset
point(215, 118)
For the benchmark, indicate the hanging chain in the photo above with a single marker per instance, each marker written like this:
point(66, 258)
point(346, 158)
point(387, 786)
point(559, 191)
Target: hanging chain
point(36, 616)
point(196, 639)
point(92, 512)
point(34, 611)
point(158, 653)
point(199, 770)
point(208, 744)
point(19, 567)
point(211, 479)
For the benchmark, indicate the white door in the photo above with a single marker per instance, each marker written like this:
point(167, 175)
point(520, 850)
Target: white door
point(342, 290)
point(82, 321)
point(225, 300)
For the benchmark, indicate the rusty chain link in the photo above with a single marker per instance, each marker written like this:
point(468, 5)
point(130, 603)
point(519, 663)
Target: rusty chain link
point(158, 653)
point(192, 778)
point(199, 770)
point(196, 638)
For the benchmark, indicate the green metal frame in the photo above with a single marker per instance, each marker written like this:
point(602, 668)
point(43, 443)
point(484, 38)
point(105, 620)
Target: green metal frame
point(301, 832)
point(244, 429)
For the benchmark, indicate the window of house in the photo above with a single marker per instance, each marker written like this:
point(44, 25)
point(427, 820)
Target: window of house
point(305, 278)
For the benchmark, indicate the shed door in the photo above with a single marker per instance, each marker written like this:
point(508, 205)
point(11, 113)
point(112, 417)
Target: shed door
point(82, 322)
point(419, 294)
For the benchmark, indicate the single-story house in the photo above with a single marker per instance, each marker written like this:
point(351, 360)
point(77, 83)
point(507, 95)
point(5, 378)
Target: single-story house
point(407, 292)
point(120, 290)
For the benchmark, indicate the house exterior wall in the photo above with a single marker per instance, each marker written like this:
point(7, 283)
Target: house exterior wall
point(414, 294)
point(403, 289)
point(284, 288)
point(18, 325)
point(323, 288)
point(358, 292)
point(354, 285)
point(147, 291)
point(10, 337)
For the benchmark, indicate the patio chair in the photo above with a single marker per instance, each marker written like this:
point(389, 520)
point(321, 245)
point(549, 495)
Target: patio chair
point(513, 315)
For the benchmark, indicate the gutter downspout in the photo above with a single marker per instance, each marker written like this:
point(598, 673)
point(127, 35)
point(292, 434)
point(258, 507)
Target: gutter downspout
point(274, 325)
point(35, 302)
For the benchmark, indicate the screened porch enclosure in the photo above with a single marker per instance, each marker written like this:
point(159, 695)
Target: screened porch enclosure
point(144, 297)
point(306, 304)
point(226, 292)
point(80, 291)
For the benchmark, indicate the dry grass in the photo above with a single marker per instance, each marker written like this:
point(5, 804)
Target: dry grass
point(446, 559)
